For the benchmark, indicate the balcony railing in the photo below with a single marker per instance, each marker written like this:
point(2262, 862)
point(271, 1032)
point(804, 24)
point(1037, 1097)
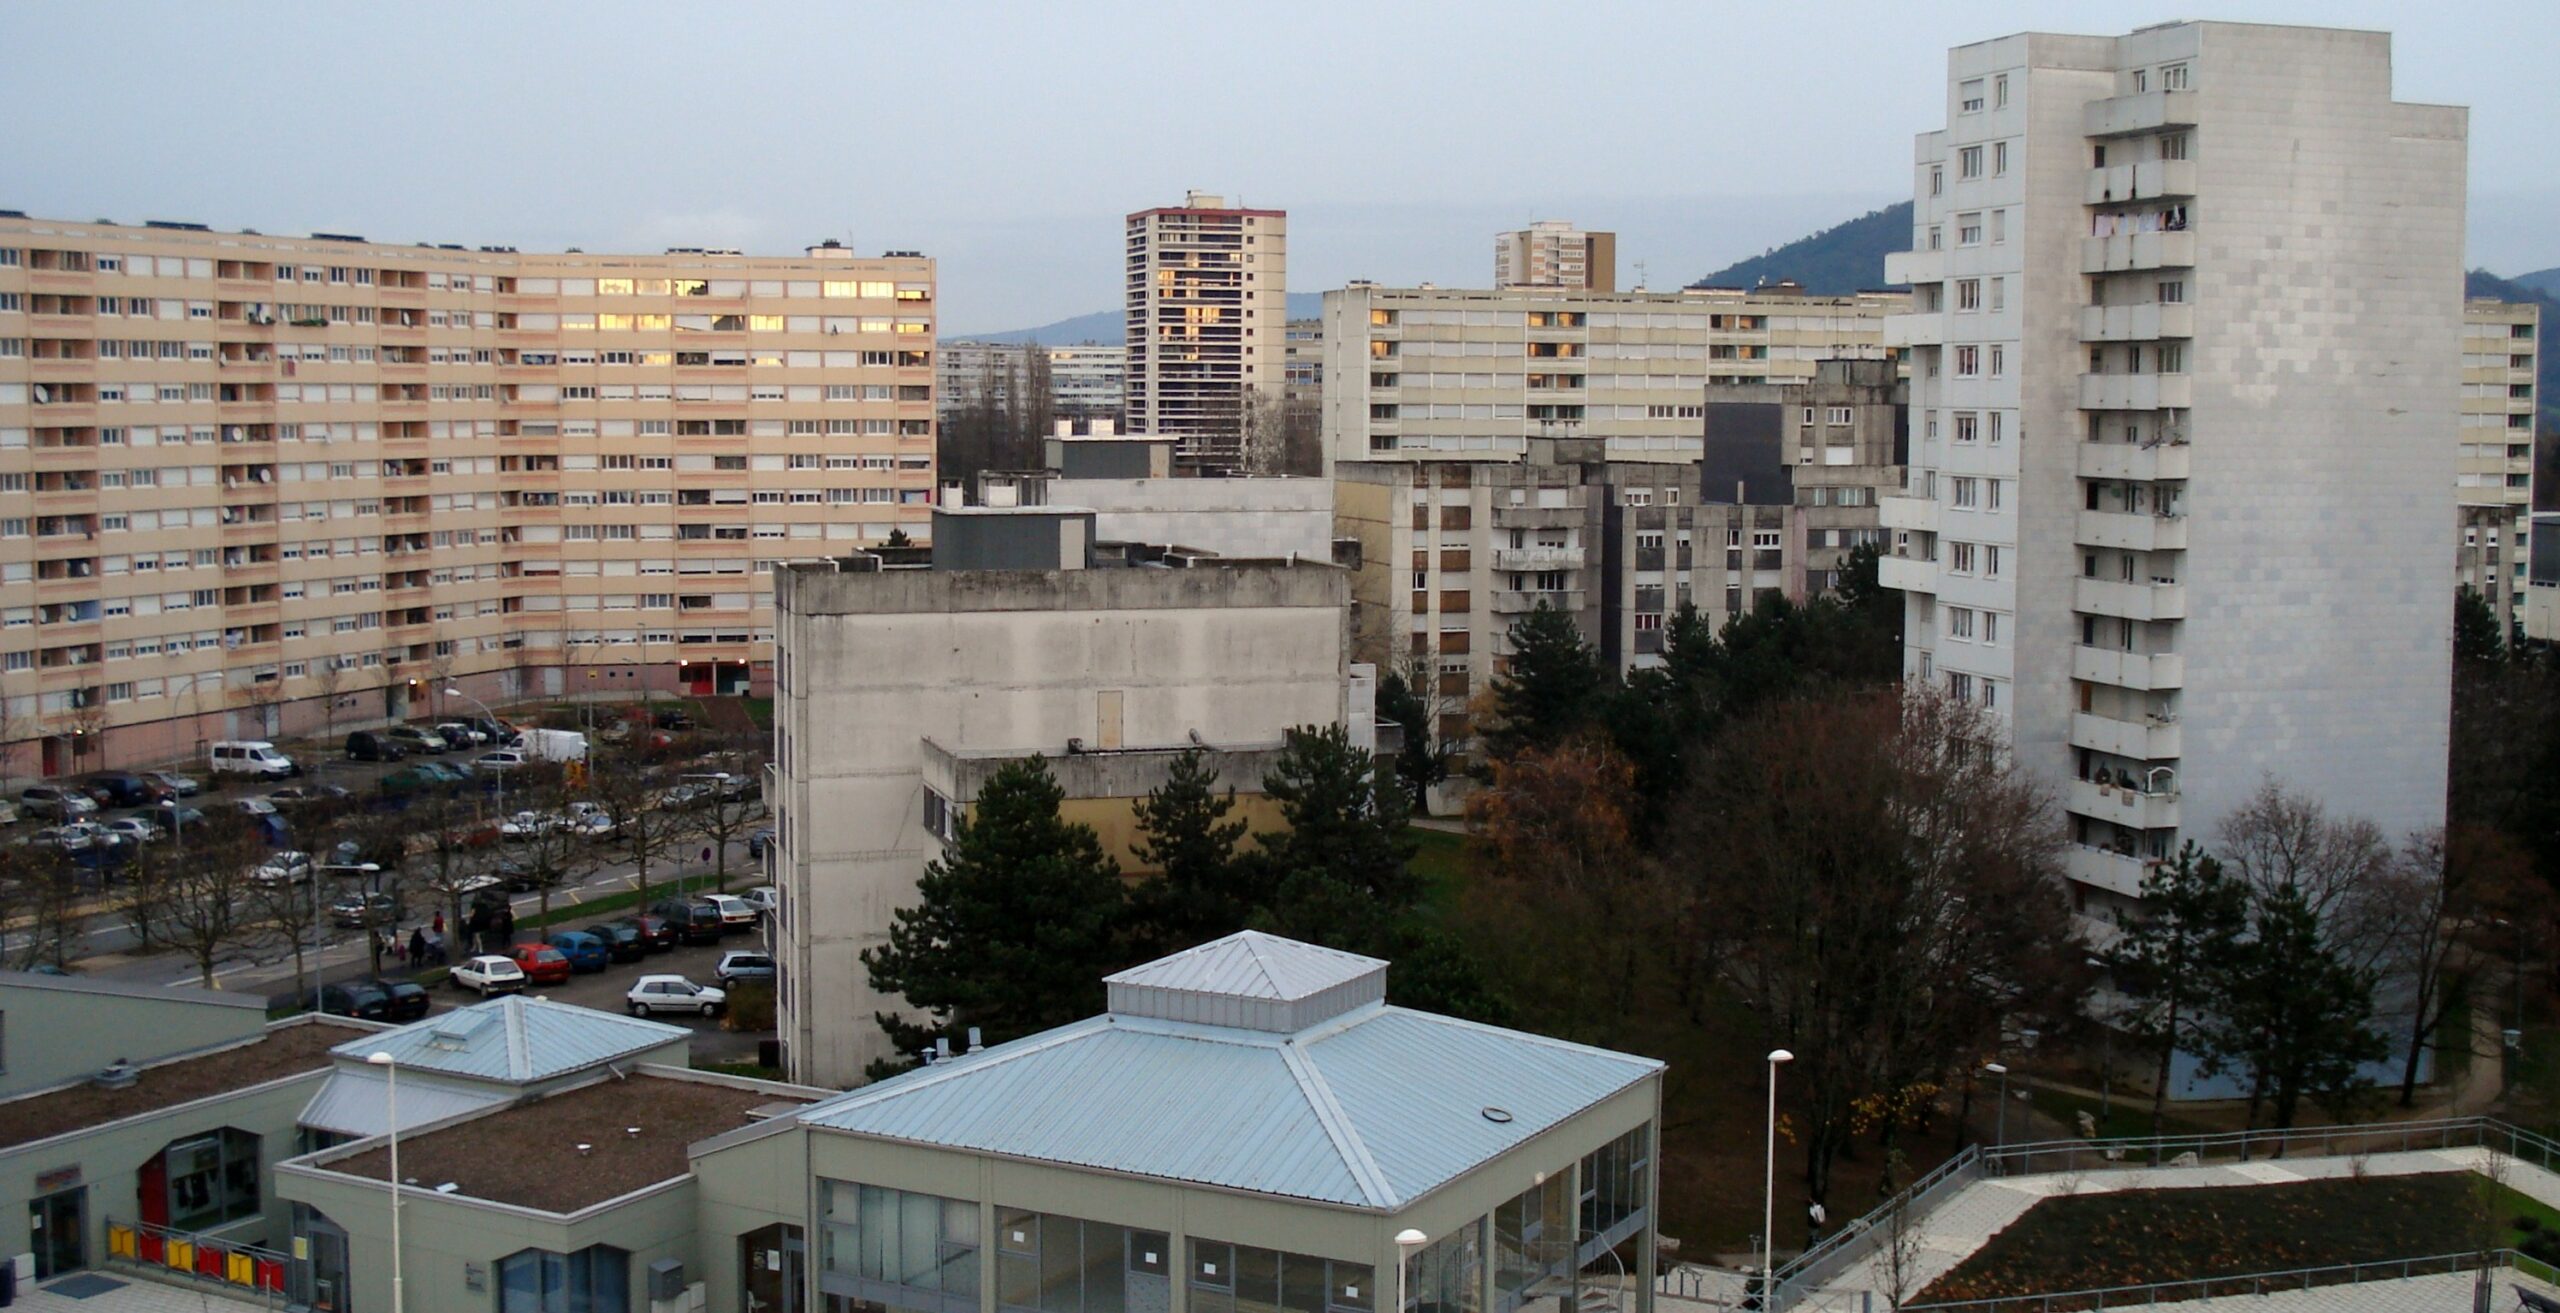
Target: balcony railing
point(2132, 531)
point(2136, 391)
point(1537, 558)
point(2133, 670)
point(2154, 808)
point(2126, 252)
point(2149, 739)
point(2136, 461)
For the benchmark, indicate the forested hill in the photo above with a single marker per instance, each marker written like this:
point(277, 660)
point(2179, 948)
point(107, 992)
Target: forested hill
point(1834, 262)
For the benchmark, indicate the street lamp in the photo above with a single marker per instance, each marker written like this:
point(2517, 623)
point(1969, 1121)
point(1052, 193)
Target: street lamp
point(2000, 1138)
point(391, 1115)
point(1769, 1187)
point(1407, 1240)
point(491, 717)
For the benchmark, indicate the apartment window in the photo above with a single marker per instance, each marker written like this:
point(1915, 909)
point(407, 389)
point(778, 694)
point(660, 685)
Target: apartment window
point(1967, 426)
point(2173, 77)
point(1999, 358)
point(1960, 558)
point(1991, 623)
point(1937, 237)
point(1840, 415)
point(1937, 179)
point(1999, 294)
point(2171, 291)
point(1968, 294)
point(1960, 622)
point(1969, 162)
point(2173, 146)
point(2000, 92)
point(2173, 357)
point(1999, 226)
point(1990, 561)
point(1969, 229)
point(1999, 159)
point(1991, 490)
point(1969, 96)
point(1963, 492)
point(1968, 361)
point(2141, 80)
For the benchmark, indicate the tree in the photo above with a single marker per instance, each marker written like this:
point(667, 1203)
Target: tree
point(39, 894)
point(2449, 886)
point(1338, 874)
point(551, 854)
point(1187, 838)
point(2341, 868)
point(1559, 826)
point(1547, 691)
point(2478, 637)
point(1424, 759)
point(645, 828)
point(447, 866)
point(897, 538)
point(2192, 915)
point(284, 913)
point(731, 813)
point(2292, 1012)
point(1877, 883)
point(330, 678)
point(207, 890)
point(1012, 928)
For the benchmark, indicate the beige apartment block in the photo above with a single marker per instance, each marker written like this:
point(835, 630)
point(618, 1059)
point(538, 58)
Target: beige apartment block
point(2493, 493)
point(1476, 375)
point(257, 486)
point(1208, 306)
point(1554, 253)
point(2187, 349)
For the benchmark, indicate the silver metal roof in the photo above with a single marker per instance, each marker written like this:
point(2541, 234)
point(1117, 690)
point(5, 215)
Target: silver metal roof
point(1250, 979)
point(1372, 1110)
point(130, 989)
point(514, 1039)
point(354, 1101)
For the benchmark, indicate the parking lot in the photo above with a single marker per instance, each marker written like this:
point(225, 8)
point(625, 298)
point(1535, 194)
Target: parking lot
point(604, 990)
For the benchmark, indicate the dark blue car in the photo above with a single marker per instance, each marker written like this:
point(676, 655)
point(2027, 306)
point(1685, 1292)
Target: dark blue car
point(584, 951)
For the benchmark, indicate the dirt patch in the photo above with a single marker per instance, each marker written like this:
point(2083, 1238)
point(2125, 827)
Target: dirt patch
point(529, 1155)
point(280, 1053)
point(2136, 1237)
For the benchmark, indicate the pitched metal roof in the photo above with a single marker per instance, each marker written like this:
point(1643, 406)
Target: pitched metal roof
point(1250, 979)
point(130, 989)
point(355, 1101)
point(1371, 1110)
point(514, 1039)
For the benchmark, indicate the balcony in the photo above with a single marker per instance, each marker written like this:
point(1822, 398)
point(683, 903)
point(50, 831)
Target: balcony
point(2148, 111)
point(2134, 670)
point(2133, 532)
point(1568, 600)
point(2126, 252)
point(1537, 558)
point(1908, 573)
point(2137, 391)
point(2114, 872)
point(2133, 323)
point(1918, 513)
point(2128, 807)
point(2135, 461)
point(2129, 601)
point(1916, 329)
point(2149, 181)
point(2143, 740)
point(1915, 267)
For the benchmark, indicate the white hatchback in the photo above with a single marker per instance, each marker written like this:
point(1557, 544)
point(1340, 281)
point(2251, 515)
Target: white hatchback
point(490, 974)
point(673, 994)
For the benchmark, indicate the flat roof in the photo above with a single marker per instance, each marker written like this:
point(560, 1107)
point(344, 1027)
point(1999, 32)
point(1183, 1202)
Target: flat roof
point(129, 989)
point(528, 1153)
point(283, 1051)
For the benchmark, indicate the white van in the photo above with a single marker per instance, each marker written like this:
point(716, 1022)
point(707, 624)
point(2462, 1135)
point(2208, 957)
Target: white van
point(250, 757)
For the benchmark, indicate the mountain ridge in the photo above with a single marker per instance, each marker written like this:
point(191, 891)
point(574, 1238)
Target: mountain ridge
point(1841, 259)
point(1109, 327)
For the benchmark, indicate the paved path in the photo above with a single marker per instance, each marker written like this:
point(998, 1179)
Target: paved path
point(129, 1294)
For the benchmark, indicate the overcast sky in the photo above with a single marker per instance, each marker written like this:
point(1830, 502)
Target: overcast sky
point(1009, 139)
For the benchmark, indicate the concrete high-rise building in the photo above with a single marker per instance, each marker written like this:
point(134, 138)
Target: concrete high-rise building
point(1208, 302)
point(1089, 381)
point(1554, 253)
point(2185, 354)
point(2494, 460)
point(1476, 375)
point(258, 486)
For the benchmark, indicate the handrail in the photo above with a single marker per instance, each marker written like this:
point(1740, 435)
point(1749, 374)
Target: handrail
point(2251, 1283)
point(244, 1269)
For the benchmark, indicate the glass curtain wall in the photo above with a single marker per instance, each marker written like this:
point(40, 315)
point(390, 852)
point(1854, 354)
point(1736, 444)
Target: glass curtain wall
point(596, 1279)
point(900, 1248)
point(1446, 1276)
point(1046, 1263)
point(1533, 1244)
point(1232, 1278)
point(1616, 1179)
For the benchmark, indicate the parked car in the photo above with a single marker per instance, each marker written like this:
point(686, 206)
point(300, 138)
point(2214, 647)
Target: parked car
point(367, 745)
point(542, 964)
point(673, 994)
point(254, 806)
point(356, 911)
point(122, 789)
point(764, 898)
point(657, 933)
point(736, 914)
point(758, 842)
point(517, 874)
point(527, 824)
point(673, 718)
point(287, 867)
point(499, 762)
point(416, 739)
point(59, 802)
point(584, 951)
point(457, 734)
point(490, 731)
point(621, 939)
point(352, 998)
point(408, 998)
point(74, 837)
point(490, 974)
point(176, 815)
point(250, 757)
point(694, 922)
point(297, 794)
point(136, 830)
point(734, 967)
point(177, 785)
point(446, 772)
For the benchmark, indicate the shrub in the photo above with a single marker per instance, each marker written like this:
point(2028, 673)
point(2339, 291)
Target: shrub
point(750, 1008)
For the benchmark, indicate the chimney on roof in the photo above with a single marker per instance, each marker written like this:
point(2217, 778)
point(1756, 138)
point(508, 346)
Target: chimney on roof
point(975, 1044)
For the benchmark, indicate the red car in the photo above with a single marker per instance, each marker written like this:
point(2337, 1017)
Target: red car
point(542, 964)
point(656, 932)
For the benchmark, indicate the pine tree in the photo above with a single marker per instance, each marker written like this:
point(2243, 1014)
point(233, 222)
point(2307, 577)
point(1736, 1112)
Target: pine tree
point(2477, 635)
point(2192, 915)
point(1013, 928)
point(1423, 760)
point(1185, 834)
point(1549, 690)
point(1337, 875)
point(2293, 1015)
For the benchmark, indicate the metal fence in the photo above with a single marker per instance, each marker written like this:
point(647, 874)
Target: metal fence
point(2061, 1156)
point(2255, 1283)
point(240, 1271)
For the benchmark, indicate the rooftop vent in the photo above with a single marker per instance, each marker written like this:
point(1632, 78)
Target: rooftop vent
point(335, 237)
point(1250, 980)
point(176, 226)
point(116, 1075)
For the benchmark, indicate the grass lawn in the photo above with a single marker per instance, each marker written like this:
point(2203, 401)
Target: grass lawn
point(2129, 1117)
point(1440, 858)
point(2137, 1237)
point(564, 913)
point(761, 709)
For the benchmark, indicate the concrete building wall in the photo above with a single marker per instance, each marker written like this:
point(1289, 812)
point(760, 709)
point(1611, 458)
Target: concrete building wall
point(53, 1030)
point(251, 485)
point(874, 665)
point(1266, 518)
point(2493, 459)
point(1207, 298)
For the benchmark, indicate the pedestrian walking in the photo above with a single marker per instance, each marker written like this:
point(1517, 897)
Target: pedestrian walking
point(706, 854)
point(439, 925)
point(418, 948)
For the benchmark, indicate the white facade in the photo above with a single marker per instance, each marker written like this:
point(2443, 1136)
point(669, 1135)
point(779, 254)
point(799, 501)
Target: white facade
point(889, 684)
point(1554, 253)
point(1265, 519)
point(2181, 380)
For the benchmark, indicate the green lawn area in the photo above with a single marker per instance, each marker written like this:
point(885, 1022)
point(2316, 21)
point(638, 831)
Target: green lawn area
point(1440, 858)
point(2137, 1237)
point(564, 913)
point(2127, 1118)
point(761, 709)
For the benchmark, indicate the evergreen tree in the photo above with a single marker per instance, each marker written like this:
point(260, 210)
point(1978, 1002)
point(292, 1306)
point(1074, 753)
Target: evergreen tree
point(1184, 832)
point(2293, 1015)
point(1013, 928)
point(1424, 759)
point(2192, 916)
point(2478, 638)
point(897, 538)
point(1549, 691)
point(1337, 875)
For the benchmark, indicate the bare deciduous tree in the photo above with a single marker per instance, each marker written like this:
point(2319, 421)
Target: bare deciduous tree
point(330, 679)
point(2342, 866)
point(208, 891)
